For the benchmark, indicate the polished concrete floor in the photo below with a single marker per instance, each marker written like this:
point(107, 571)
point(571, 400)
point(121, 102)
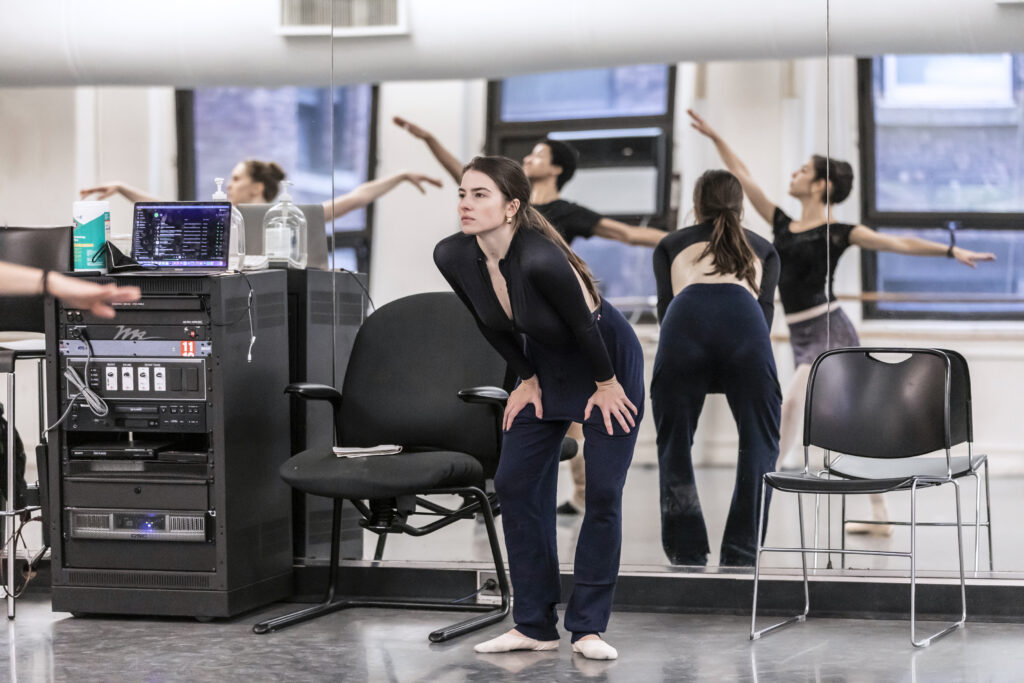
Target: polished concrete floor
point(391, 646)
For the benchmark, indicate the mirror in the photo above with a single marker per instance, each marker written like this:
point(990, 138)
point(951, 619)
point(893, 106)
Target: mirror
point(933, 136)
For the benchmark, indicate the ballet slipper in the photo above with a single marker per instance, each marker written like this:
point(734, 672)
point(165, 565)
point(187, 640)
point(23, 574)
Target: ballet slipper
point(507, 642)
point(595, 648)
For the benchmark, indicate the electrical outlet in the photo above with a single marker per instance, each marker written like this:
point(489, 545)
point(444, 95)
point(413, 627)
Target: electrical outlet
point(490, 596)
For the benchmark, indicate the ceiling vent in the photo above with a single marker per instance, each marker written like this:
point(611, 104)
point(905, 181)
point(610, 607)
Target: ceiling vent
point(351, 18)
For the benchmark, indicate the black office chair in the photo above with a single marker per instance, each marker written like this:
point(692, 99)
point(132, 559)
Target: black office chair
point(420, 376)
point(48, 248)
point(961, 466)
point(860, 404)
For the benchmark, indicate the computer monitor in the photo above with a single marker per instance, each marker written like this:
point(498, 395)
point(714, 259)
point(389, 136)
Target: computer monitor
point(181, 236)
point(316, 235)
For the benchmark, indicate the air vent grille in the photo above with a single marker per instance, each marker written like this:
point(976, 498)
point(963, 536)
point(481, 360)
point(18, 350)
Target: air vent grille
point(350, 17)
point(128, 579)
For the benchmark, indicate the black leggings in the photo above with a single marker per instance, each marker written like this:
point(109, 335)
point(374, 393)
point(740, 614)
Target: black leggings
point(714, 339)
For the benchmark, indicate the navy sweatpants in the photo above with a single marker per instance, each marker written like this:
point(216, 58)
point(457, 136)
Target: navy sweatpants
point(526, 486)
point(714, 339)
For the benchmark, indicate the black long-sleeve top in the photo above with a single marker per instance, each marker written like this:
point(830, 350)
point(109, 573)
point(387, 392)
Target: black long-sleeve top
point(674, 243)
point(547, 302)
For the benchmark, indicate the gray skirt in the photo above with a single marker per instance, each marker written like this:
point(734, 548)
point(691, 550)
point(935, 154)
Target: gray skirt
point(811, 338)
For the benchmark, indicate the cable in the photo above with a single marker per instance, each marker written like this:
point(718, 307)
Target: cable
point(247, 313)
point(93, 400)
point(373, 306)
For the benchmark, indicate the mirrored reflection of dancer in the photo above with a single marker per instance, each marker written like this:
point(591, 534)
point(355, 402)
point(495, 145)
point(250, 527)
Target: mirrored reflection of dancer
point(548, 167)
point(716, 291)
point(578, 360)
point(809, 248)
point(256, 182)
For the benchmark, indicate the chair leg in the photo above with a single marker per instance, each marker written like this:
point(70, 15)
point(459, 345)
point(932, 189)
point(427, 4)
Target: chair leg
point(328, 604)
point(378, 552)
point(754, 633)
point(331, 604)
point(842, 535)
point(988, 517)
point(925, 642)
point(977, 519)
point(817, 516)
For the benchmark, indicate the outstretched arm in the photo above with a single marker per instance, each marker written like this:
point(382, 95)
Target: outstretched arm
point(369, 191)
point(105, 190)
point(629, 234)
point(763, 206)
point(26, 281)
point(866, 238)
point(443, 156)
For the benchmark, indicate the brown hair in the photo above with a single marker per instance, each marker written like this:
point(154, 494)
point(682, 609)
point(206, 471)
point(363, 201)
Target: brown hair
point(718, 197)
point(512, 183)
point(268, 173)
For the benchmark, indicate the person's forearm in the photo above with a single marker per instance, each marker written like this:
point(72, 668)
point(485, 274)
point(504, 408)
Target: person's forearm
point(361, 196)
point(916, 246)
point(729, 158)
point(645, 237)
point(135, 194)
point(445, 158)
point(20, 280)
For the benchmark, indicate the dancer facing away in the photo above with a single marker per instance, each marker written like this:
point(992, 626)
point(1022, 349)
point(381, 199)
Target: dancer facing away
point(578, 360)
point(548, 167)
point(716, 291)
point(809, 247)
point(254, 182)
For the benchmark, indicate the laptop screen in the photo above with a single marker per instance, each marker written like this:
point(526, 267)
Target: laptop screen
point(181, 234)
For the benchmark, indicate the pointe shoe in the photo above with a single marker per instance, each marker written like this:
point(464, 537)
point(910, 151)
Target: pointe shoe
point(595, 648)
point(869, 529)
point(507, 642)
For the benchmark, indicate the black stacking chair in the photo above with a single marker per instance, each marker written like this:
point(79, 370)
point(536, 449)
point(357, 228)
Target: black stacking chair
point(422, 376)
point(962, 466)
point(861, 404)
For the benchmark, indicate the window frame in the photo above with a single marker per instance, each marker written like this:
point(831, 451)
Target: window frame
point(920, 220)
point(498, 130)
point(360, 240)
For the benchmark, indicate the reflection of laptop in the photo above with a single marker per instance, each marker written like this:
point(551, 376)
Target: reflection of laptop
point(181, 237)
point(316, 235)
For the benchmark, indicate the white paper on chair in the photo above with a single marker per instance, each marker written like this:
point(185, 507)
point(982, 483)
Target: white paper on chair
point(362, 452)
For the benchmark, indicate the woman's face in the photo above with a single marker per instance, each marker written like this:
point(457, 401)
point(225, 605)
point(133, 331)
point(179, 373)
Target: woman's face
point(241, 188)
point(802, 183)
point(482, 206)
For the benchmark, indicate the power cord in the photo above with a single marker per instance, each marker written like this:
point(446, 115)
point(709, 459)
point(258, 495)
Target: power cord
point(93, 400)
point(373, 306)
point(247, 313)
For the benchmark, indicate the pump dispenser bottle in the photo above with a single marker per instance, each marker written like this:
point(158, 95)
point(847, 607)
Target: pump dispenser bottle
point(284, 233)
point(236, 237)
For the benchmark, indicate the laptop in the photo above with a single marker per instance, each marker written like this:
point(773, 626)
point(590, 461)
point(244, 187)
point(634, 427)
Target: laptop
point(181, 237)
point(316, 235)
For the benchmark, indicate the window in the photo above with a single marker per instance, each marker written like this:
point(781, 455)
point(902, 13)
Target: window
point(620, 120)
point(943, 154)
point(218, 127)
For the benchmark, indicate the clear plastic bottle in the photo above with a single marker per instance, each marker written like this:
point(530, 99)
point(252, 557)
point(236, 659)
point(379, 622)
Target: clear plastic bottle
point(236, 237)
point(284, 233)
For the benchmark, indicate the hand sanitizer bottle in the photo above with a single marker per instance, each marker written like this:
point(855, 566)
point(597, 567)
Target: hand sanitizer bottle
point(284, 233)
point(236, 236)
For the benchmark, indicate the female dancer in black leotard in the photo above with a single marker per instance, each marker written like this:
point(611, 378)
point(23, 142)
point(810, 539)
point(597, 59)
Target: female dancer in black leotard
point(716, 291)
point(536, 303)
point(815, 321)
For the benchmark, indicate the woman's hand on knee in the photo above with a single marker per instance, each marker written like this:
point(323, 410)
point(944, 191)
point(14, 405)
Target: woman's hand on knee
point(523, 395)
point(612, 401)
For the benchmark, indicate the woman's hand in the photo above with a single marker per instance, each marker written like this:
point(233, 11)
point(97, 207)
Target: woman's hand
point(418, 179)
point(526, 393)
point(611, 399)
point(103, 191)
point(411, 127)
point(89, 295)
point(971, 258)
point(700, 125)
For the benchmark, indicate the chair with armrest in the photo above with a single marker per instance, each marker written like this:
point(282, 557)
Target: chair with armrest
point(420, 375)
point(48, 248)
point(862, 402)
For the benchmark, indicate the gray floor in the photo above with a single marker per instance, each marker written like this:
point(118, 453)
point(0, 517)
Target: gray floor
point(386, 645)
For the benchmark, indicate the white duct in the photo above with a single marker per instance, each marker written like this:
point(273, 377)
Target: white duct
point(235, 42)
